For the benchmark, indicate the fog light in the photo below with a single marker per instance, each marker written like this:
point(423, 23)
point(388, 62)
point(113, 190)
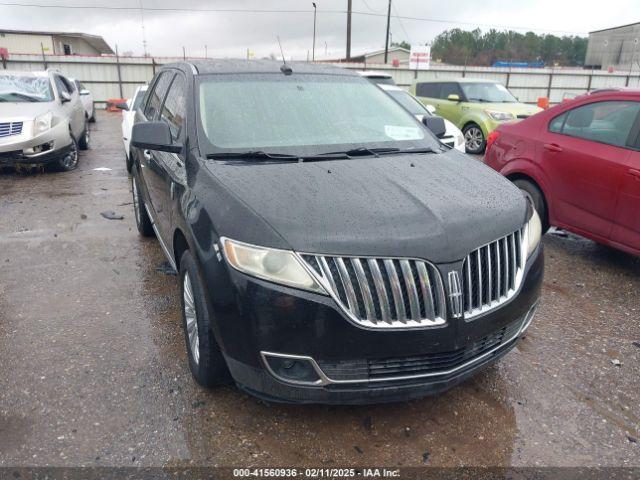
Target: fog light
point(292, 368)
point(43, 147)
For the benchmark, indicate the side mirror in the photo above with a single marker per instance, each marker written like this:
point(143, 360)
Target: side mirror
point(431, 109)
point(122, 106)
point(154, 136)
point(453, 97)
point(85, 92)
point(65, 97)
point(436, 125)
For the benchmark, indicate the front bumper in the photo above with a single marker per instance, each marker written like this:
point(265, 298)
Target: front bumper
point(259, 318)
point(26, 149)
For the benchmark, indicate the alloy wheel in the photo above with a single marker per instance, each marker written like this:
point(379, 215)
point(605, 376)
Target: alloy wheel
point(473, 138)
point(70, 160)
point(191, 318)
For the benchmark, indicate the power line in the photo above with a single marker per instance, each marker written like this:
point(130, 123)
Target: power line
point(276, 11)
point(401, 24)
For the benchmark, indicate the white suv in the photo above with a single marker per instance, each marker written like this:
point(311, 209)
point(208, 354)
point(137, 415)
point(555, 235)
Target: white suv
point(42, 120)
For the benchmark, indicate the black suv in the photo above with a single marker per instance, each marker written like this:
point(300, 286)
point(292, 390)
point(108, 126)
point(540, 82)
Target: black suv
point(329, 248)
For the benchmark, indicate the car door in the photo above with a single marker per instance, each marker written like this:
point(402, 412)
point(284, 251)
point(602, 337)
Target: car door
point(580, 152)
point(150, 169)
point(450, 109)
point(170, 167)
point(72, 110)
point(626, 230)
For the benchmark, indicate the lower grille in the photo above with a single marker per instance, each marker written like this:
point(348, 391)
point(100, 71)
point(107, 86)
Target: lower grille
point(418, 365)
point(492, 274)
point(383, 292)
point(10, 128)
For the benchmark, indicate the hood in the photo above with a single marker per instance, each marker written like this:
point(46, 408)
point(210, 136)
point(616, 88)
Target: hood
point(24, 110)
point(438, 207)
point(515, 108)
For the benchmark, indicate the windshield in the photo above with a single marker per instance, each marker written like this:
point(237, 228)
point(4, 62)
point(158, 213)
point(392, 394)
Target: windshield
point(302, 115)
point(25, 88)
point(138, 100)
point(409, 102)
point(487, 92)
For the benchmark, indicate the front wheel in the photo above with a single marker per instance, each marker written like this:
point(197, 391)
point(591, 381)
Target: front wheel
point(206, 361)
point(474, 140)
point(69, 161)
point(143, 222)
point(85, 137)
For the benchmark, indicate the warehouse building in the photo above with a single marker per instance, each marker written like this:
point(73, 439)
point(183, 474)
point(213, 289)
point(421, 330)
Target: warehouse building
point(617, 48)
point(52, 43)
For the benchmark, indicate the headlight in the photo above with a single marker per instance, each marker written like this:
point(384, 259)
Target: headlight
point(499, 116)
point(279, 266)
point(42, 123)
point(534, 232)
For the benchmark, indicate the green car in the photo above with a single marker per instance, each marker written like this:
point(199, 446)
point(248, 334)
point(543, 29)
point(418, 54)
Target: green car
point(476, 107)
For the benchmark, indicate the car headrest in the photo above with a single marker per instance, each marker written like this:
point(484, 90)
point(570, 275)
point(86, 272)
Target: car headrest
point(580, 118)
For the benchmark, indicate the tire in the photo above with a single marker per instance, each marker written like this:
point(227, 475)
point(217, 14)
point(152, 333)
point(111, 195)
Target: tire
point(69, 161)
point(474, 140)
point(85, 137)
point(92, 118)
point(143, 222)
point(206, 362)
point(536, 196)
point(127, 160)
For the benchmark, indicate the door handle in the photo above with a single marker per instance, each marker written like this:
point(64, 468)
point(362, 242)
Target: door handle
point(147, 154)
point(634, 173)
point(552, 147)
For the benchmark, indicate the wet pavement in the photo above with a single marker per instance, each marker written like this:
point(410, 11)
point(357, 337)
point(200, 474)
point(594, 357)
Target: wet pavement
point(93, 367)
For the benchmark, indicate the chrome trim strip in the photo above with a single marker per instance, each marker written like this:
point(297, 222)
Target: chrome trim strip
point(425, 288)
point(348, 286)
point(381, 290)
point(396, 291)
point(163, 245)
point(369, 307)
point(412, 291)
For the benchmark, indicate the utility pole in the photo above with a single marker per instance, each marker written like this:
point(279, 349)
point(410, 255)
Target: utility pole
point(349, 2)
point(205, 52)
point(313, 49)
point(386, 38)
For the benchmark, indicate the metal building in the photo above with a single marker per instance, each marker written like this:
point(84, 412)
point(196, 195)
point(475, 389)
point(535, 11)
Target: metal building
point(52, 43)
point(617, 47)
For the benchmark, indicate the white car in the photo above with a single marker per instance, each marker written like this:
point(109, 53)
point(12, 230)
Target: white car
point(376, 77)
point(128, 116)
point(87, 100)
point(453, 136)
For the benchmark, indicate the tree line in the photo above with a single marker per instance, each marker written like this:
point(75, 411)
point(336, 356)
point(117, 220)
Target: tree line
point(460, 47)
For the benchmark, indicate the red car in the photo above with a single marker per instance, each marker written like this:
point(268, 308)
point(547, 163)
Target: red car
point(579, 162)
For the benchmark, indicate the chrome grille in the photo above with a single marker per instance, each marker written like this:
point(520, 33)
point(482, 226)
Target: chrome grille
point(492, 274)
point(10, 128)
point(383, 292)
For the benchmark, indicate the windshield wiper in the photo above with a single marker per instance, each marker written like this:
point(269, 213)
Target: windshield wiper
point(23, 96)
point(482, 100)
point(360, 152)
point(252, 155)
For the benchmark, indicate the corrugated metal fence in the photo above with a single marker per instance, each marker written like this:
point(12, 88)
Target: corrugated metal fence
point(117, 77)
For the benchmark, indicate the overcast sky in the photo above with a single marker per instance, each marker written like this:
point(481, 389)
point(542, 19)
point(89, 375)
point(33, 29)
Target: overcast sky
point(230, 34)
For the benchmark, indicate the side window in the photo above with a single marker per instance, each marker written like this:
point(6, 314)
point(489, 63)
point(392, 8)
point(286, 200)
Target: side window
point(138, 100)
point(605, 122)
point(449, 89)
point(557, 123)
point(61, 85)
point(431, 90)
point(174, 107)
point(157, 95)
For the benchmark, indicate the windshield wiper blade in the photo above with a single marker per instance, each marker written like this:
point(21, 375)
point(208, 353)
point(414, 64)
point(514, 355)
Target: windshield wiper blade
point(361, 151)
point(252, 155)
point(22, 95)
point(481, 100)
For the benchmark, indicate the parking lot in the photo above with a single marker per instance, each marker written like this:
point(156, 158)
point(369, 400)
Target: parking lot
point(93, 366)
